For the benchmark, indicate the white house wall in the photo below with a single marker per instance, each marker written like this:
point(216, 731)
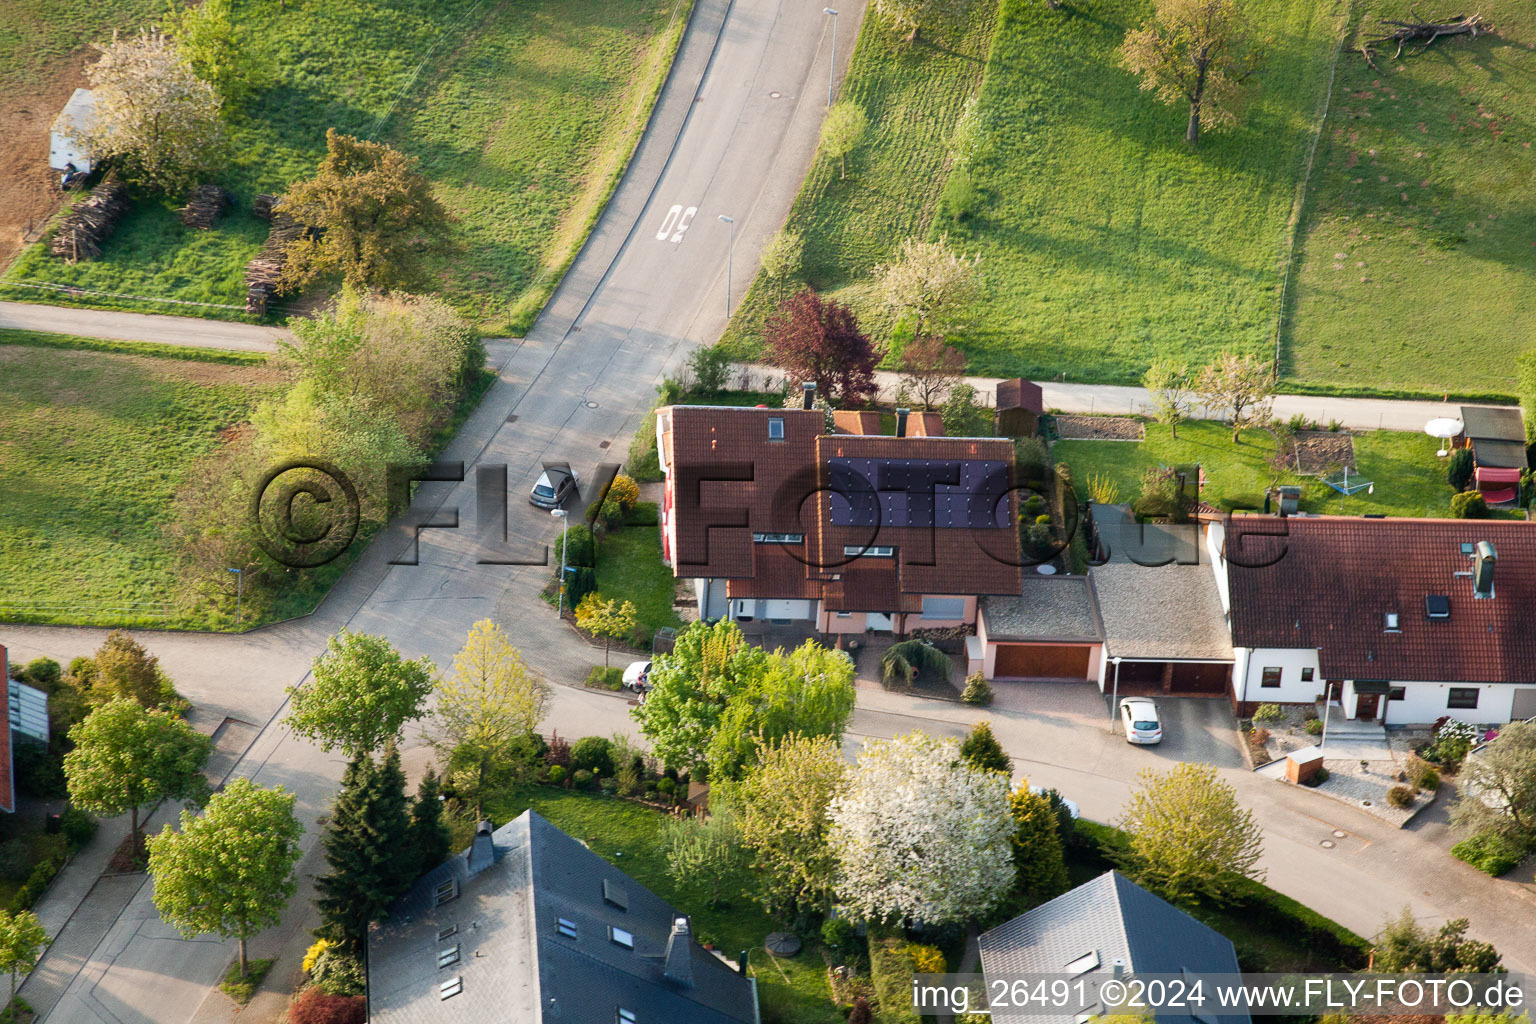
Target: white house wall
point(1248, 674)
point(1424, 703)
point(1215, 536)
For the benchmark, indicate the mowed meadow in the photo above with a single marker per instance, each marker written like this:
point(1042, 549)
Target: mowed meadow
point(523, 113)
point(1105, 242)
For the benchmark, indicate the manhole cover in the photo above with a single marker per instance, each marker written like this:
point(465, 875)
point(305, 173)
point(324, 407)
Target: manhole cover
point(1326, 844)
point(511, 417)
point(1339, 833)
point(591, 405)
point(782, 944)
point(604, 445)
point(773, 95)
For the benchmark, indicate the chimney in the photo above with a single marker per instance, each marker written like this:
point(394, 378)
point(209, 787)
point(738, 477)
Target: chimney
point(482, 852)
point(901, 422)
point(679, 959)
point(808, 395)
point(1483, 560)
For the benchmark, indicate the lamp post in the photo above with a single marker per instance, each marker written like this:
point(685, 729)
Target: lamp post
point(831, 71)
point(1115, 699)
point(729, 247)
point(239, 594)
point(560, 514)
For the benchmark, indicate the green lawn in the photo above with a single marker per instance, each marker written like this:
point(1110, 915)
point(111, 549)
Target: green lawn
point(1416, 260)
point(1409, 479)
point(523, 112)
point(92, 447)
point(629, 568)
point(629, 836)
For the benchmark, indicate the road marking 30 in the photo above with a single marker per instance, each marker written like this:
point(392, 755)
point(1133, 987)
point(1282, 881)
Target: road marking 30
point(675, 223)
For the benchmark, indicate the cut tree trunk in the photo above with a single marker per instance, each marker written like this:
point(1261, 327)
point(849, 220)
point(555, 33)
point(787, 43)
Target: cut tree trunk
point(1418, 30)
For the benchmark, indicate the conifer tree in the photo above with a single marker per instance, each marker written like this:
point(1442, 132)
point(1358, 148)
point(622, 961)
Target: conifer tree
point(429, 833)
point(366, 844)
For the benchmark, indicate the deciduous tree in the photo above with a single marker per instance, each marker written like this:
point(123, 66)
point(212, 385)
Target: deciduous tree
point(127, 756)
point(230, 870)
point(1243, 384)
point(808, 692)
point(1200, 52)
point(1167, 381)
point(154, 118)
point(782, 812)
point(123, 668)
point(1189, 836)
point(1498, 788)
point(963, 415)
point(1038, 857)
point(22, 941)
point(931, 368)
point(928, 282)
point(921, 835)
point(361, 694)
point(782, 257)
point(707, 848)
point(207, 39)
point(842, 130)
point(815, 339)
point(374, 212)
point(607, 618)
point(489, 701)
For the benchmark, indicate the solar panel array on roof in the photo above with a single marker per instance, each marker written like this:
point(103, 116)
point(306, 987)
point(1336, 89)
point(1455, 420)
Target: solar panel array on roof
point(944, 493)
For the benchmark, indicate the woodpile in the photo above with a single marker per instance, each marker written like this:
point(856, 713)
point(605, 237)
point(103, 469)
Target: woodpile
point(264, 272)
point(262, 206)
point(90, 222)
point(207, 204)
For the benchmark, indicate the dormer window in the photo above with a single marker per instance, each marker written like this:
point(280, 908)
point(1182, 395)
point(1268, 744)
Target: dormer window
point(775, 428)
point(1392, 623)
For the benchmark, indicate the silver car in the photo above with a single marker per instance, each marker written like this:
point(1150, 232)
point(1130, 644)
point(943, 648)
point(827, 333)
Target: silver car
point(554, 486)
point(1142, 725)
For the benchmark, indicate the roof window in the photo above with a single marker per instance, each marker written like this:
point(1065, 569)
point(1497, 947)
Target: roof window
point(565, 926)
point(1392, 623)
point(775, 428)
point(1437, 606)
point(447, 932)
point(447, 957)
point(450, 988)
point(1083, 964)
point(614, 895)
point(447, 891)
point(627, 1016)
point(621, 937)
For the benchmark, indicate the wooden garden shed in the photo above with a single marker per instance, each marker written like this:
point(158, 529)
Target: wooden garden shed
point(1019, 406)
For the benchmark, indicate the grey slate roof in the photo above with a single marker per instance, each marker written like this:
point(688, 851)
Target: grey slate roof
point(1119, 920)
point(514, 965)
point(1046, 608)
point(1494, 423)
point(1157, 611)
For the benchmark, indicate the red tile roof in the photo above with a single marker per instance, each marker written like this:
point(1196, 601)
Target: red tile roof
point(925, 424)
point(1328, 583)
point(853, 421)
point(1020, 394)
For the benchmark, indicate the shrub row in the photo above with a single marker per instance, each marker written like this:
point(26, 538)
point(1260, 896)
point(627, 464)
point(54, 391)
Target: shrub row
point(890, 972)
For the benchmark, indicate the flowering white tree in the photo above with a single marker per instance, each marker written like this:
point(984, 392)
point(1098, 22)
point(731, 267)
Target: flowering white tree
point(920, 834)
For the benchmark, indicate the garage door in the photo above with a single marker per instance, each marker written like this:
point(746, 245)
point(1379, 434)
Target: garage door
point(1201, 677)
point(1525, 704)
point(1041, 661)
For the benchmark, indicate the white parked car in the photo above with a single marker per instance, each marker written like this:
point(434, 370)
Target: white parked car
point(1139, 716)
point(637, 676)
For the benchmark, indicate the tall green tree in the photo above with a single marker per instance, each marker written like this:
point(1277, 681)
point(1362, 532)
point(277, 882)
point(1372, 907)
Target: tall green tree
point(981, 750)
point(1168, 383)
point(125, 669)
point(1200, 52)
point(807, 692)
point(690, 688)
point(22, 941)
point(1190, 838)
point(429, 833)
point(1498, 787)
point(1038, 857)
point(206, 38)
point(607, 618)
point(230, 870)
point(708, 848)
point(361, 695)
point(127, 756)
point(370, 866)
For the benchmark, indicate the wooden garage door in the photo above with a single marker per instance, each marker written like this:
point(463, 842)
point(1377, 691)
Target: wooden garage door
point(1202, 677)
point(1041, 661)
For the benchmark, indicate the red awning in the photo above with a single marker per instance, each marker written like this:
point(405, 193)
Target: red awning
point(1493, 475)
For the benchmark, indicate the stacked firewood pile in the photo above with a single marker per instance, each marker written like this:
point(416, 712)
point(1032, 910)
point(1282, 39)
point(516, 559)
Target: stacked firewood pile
point(264, 272)
point(262, 206)
point(90, 222)
point(207, 204)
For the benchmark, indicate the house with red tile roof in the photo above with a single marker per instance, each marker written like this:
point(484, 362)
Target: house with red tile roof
point(1400, 621)
point(774, 517)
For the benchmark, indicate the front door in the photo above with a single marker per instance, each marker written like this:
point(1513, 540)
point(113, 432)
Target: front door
point(1365, 706)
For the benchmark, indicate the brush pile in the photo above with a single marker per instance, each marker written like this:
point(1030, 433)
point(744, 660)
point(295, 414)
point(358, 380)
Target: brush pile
point(207, 204)
point(90, 222)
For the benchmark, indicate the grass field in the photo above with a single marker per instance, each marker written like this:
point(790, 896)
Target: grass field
point(523, 112)
point(629, 835)
point(37, 33)
point(1417, 261)
point(94, 445)
point(1409, 479)
point(629, 568)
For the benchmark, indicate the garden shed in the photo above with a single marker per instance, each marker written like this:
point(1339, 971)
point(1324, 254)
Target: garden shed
point(1019, 406)
point(65, 146)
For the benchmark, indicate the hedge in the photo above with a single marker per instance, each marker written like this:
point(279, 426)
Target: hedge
point(1488, 852)
point(890, 972)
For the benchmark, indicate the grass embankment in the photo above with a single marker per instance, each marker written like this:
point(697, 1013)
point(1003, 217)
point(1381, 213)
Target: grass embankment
point(1408, 478)
point(1105, 241)
point(1415, 263)
point(94, 446)
point(524, 114)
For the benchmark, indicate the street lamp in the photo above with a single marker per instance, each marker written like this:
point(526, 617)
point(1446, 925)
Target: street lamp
point(1115, 699)
point(560, 514)
point(831, 71)
point(730, 245)
point(239, 594)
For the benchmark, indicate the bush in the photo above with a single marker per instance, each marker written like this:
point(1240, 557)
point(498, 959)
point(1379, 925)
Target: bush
point(666, 786)
point(611, 514)
point(1314, 727)
point(1452, 740)
point(1469, 505)
point(1039, 541)
point(1033, 506)
point(576, 547)
point(581, 779)
point(1164, 495)
point(43, 673)
point(559, 751)
point(1268, 713)
point(37, 883)
point(316, 1007)
point(959, 196)
point(39, 770)
point(644, 513)
point(338, 973)
point(1458, 469)
point(1489, 852)
point(557, 775)
point(890, 972)
point(594, 753)
point(711, 367)
point(606, 678)
point(1033, 459)
point(1422, 774)
point(1320, 777)
point(578, 584)
point(623, 490)
point(927, 959)
point(77, 826)
point(1260, 735)
point(1400, 796)
point(977, 690)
